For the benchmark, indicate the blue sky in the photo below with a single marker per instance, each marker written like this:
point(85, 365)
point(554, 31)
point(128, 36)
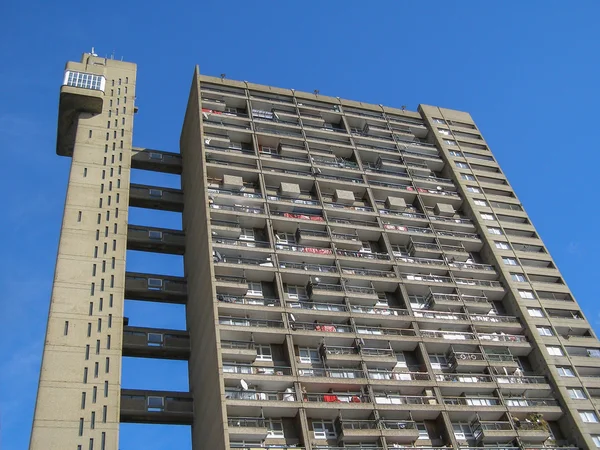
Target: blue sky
point(527, 71)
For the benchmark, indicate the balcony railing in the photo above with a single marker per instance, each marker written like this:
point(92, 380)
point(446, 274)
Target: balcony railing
point(527, 402)
point(311, 267)
point(247, 369)
point(323, 328)
point(299, 201)
point(304, 249)
point(380, 310)
point(347, 397)
point(382, 374)
point(231, 394)
point(368, 272)
point(363, 255)
point(241, 322)
point(473, 282)
point(361, 329)
point(472, 401)
point(315, 306)
point(254, 301)
point(240, 242)
point(237, 208)
point(464, 377)
point(296, 216)
point(526, 379)
point(399, 399)
point(453, 335)
point(390, 226)
point(331, 373)
point(246, 422)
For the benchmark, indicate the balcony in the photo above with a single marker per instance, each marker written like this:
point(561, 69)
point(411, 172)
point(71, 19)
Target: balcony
point(331, 375)
point(363, 255)
point(153, 197)
point(236, 208)
point(357, 430)
point(156, 343)
point(156, 240)
point(399, 431)
point(378, 310)
point(244, 322)
point(250, 244)
point(249, 369)
point(156, 160)
point(466, 361)
point(157, 407)
point(532, 431)
point(248, 301)
point(369, 273)
point(493, 431)
point(337, 400)
point(233, 285)
point(150, 287)
point(442, 302)
point(322, 292)
point(243, 351)
point(385, 375)
point(317, 268)
point(346, 241)
point(247, 428)
point(296, 217)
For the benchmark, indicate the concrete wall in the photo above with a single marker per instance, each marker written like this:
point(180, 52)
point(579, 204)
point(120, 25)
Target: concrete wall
point(206, 384)
point(86, 305)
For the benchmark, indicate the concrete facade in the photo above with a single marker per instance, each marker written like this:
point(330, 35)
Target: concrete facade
point(355, 276)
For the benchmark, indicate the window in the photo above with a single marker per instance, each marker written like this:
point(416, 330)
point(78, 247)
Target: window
point(286, 238)
point(450, 142)
point(473, 190)
point(444, 131)
point(263, 352)
point(535, 312)
point(309, 355)
point(565, 371)
point(493, 230)
point(274, 428)
point(588, 416)
point(486, 216)
point(154, 234)
point(323, 429)
point(517, 277)
point(502, 245)
point(526, 294)
point(462, 431)
point(576, 394)
point(545, 331)
point(296, 292)
point(480, 202)
point(247, 234)
point(436, 120)
point(438, 361)
point(554, 350)
point(509, 261)
point(423, 433)
point(466, 176)
point(460, 165)
point(255, 288)
point(84, 80)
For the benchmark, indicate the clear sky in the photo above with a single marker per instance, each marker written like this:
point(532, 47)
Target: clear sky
point(527, 71)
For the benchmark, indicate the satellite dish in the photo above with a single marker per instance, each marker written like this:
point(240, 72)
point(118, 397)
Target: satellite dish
point(439, 188)
point(207, 141)
point(205, 115)
point(292, 318)
point(244, 385)
point(317, 280)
